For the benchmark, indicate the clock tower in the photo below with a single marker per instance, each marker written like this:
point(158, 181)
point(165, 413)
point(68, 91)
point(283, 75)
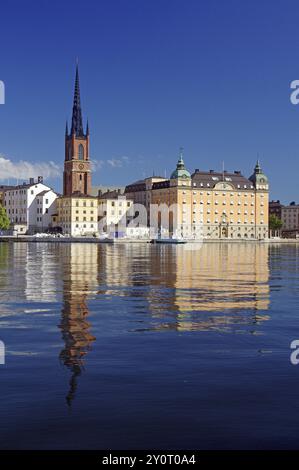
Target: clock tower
point(77, 173)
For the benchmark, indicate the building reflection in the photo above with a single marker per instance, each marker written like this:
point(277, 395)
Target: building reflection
point(213, 287)
point(218, 287)
point(79, 282)
point(35, 272)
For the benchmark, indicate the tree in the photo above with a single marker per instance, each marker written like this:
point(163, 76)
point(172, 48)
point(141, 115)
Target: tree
point(275, 224)
point(4, 220)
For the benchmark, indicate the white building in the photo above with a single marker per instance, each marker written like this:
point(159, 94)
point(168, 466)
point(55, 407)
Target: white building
point(29, 206)
point(45, 208)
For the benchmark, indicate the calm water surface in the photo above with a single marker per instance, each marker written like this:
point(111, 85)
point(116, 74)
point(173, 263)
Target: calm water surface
point(140, 346)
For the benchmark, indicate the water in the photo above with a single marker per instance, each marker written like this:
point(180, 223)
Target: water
point(136, 346)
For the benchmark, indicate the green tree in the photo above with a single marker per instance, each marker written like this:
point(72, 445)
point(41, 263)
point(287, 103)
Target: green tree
point(275, 223)
point(4, 220)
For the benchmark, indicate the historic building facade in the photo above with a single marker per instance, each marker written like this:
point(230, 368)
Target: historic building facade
point(113, 213)
point(290, 219)
point(30, 206)
point(141, 192)
point(77, 215)
point(209, 204)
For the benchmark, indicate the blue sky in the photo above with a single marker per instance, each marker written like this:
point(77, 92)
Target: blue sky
point(209, 75)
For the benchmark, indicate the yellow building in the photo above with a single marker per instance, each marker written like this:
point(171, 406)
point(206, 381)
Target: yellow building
point(77, 215)
point(208, 204)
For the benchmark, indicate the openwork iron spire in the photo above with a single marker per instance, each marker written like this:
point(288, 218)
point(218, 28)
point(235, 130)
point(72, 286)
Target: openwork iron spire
point(77, 124)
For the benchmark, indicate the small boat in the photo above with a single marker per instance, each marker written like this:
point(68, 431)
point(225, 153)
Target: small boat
point(173, 241)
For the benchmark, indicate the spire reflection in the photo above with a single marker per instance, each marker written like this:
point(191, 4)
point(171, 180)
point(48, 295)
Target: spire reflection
point(79, 281)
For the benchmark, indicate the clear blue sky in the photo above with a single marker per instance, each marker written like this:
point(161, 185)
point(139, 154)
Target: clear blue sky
point(212, 76)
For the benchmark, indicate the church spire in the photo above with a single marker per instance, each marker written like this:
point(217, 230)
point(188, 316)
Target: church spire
point(77, 124)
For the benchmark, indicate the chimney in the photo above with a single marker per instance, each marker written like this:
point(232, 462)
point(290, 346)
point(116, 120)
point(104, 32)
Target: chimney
point(31, 180)
point(40, 179)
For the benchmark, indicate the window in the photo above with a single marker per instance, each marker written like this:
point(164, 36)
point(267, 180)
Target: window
point(81, 152)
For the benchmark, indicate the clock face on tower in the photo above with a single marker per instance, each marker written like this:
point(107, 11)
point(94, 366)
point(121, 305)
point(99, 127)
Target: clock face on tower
point(81, 166)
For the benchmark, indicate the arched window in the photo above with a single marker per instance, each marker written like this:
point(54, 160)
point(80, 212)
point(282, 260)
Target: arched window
point(81, 152)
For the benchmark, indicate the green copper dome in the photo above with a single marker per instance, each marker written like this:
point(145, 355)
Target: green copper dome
point(180, 171)
point(258, 176)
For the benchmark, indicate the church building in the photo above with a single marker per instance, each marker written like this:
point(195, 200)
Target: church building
point(77, 210)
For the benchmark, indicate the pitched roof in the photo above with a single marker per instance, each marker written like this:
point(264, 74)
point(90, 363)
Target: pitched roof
point(211, 178)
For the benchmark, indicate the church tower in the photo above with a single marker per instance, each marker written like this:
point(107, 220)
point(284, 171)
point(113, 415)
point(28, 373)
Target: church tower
point(77, 174)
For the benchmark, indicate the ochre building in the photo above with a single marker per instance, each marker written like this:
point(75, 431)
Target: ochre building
point(208, 204)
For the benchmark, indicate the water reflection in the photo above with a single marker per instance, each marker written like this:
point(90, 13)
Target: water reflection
point(79, 274)
point(184, 288)
point(220, 287)
point(213, 287)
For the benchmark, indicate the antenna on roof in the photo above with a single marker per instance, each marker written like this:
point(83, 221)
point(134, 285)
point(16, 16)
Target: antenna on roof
point(223, 170)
